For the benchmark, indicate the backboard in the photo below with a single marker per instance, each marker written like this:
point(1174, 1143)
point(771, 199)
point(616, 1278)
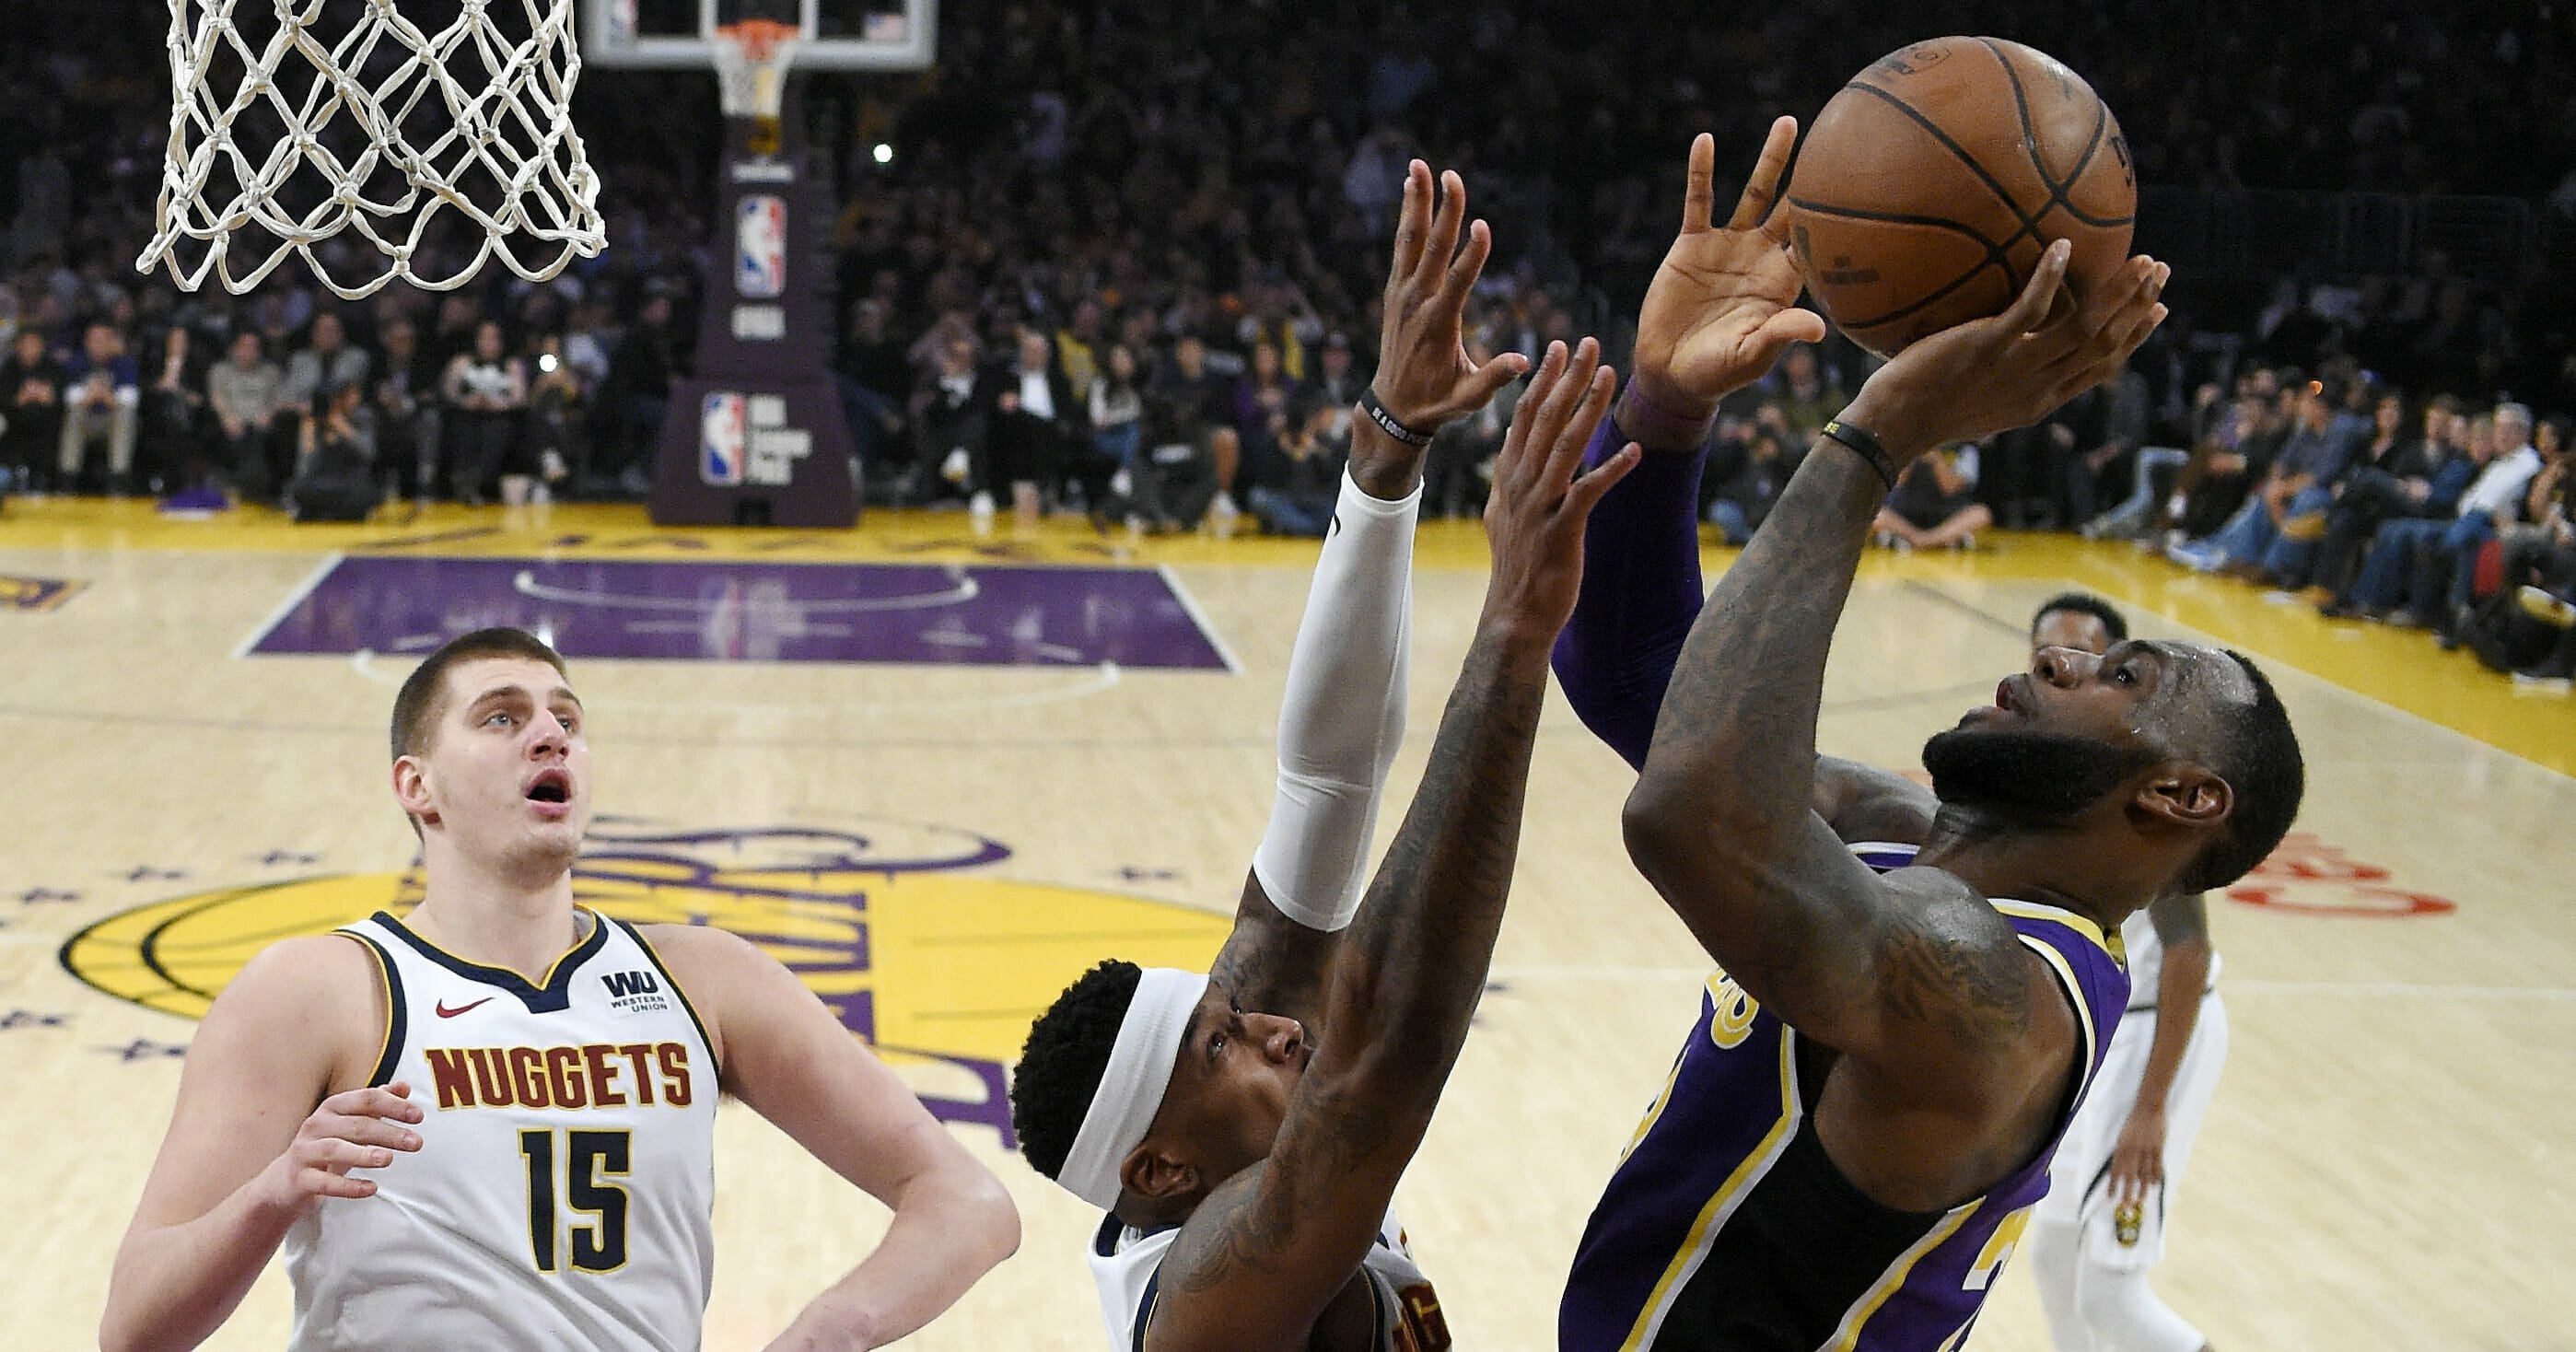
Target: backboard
point(836, 34)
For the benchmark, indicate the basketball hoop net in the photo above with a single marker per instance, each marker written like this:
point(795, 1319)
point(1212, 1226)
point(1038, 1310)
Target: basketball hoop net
point(411, 140)
point(751, 72)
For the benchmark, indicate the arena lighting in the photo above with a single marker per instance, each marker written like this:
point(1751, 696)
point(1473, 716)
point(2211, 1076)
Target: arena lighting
point(883, 154)
point(546, 362)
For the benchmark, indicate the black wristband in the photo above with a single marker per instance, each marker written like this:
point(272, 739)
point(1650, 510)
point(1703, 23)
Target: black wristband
point(1859, 441)
point(1377, 414)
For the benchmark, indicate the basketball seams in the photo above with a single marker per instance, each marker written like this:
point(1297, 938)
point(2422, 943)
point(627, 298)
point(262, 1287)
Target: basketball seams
point(2028, 222)
point(1996, 256)
point(2058, 200)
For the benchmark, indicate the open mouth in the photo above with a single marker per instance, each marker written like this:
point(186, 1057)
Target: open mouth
point(550, 786)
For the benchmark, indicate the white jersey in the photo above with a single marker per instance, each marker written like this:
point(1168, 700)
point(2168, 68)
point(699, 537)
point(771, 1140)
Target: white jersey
point(560, 1197)
point(2146, 954)
point(1127, 1263)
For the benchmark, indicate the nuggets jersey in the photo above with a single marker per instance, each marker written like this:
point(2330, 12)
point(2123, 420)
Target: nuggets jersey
point(1127, 1262)
point(1726, 1227)
point(559, 1199)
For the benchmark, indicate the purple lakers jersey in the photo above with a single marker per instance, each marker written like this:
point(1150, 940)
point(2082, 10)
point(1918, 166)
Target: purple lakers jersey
point(1726, 1228)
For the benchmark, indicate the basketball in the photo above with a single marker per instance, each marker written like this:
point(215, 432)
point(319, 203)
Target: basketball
point(1927, 189)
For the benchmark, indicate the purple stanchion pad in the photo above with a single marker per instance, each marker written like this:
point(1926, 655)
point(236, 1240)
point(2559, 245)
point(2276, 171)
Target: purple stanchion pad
point(688, 611)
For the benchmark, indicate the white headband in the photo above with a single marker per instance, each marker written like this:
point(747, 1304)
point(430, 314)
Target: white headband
point(1131, 1088)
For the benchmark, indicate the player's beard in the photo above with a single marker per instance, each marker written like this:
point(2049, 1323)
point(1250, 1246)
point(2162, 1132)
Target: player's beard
point(2025, 777)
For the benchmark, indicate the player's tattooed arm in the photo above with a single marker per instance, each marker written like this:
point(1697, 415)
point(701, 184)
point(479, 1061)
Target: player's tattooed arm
point(1261, 1259)
point(1864, 803)
point(1273, 964)
point(1722, 820)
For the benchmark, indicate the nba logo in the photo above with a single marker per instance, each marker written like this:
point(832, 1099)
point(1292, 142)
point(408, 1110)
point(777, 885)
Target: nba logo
point(760, 246)
point(723, 432)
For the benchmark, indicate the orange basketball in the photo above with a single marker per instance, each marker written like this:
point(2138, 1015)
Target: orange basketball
point(1926, 190)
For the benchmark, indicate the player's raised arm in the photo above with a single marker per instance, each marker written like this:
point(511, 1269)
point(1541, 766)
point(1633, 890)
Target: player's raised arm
point(1721, 820)
point(1259, 1260)
point(1343, 715)
point(1720, 311)
point(784, 1054)
point(257, 1139)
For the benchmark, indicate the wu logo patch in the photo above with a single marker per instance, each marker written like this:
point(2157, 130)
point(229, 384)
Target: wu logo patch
point(634, 993)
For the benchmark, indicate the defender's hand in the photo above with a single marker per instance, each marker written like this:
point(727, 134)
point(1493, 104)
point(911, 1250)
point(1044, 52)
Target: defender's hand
point(1535, 514)
point(1722, 306)
point(359, 1129)
point(1424, 376)
point(1992, 375)
point(2138, 1158)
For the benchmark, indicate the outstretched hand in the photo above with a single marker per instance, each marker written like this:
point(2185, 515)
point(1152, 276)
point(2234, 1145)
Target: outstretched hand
point(1723, 304)
point(1992, 375)
point(1424, 376)
point(1535, 515)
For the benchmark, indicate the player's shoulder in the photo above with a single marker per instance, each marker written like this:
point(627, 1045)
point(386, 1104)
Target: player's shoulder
point(315, 1002)
point(703, 951)
point(294, 972)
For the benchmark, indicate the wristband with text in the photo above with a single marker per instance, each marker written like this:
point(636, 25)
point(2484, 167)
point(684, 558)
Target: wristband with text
point(1377, 414)
point(1862, 443)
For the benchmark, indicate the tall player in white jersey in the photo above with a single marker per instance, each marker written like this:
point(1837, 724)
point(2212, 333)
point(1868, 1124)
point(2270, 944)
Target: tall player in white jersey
point(486, 1124)
point(2102, 1224)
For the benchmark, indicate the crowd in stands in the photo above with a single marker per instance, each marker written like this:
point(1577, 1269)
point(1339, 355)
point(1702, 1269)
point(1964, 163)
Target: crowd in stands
point(1123, 259)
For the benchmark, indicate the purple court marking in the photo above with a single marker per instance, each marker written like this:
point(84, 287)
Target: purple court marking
point(692, 611)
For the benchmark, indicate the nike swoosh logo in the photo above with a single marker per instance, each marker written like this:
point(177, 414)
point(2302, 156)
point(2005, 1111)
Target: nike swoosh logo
point(445, 1013)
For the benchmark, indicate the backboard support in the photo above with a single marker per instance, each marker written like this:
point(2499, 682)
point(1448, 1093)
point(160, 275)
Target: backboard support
point(888, 35)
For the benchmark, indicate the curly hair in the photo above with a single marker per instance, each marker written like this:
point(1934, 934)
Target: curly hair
point(1063, 1060)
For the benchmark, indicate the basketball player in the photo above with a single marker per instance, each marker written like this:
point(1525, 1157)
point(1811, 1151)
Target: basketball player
point(1847, 1147)
point(1244, 1130)
point(2102, 1224)
point(487, 1123)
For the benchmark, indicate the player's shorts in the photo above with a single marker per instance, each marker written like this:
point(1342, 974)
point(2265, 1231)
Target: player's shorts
point(2079, 1186)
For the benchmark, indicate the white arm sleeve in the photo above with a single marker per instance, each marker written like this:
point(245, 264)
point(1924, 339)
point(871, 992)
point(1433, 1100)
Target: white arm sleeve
point(1343, 716)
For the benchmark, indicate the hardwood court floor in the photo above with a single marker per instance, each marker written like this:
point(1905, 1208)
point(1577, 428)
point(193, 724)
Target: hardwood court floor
point(939, 827)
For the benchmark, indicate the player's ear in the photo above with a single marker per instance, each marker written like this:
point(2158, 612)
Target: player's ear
point(2185, 794)
point(411, 787)
point(1154, 1173)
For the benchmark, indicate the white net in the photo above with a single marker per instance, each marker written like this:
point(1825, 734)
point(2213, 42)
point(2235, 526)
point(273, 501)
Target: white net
point(372, 144)
point(751, 66)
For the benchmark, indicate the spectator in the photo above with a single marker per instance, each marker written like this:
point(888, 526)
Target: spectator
point(1204, 400)
point(31, 422)
point(2404, 576)
point(326, 362)
point(558, 420)
point(102, 401)
point(1300, 498)
point(952, 425)
point(637, 395)
point(174, 415)
point(335, 472)
point(485, 390)
point(1935, 505)
point(406, 410)
point(1118, 409)
point(2112, 453)
point(2446, 570)
point(1265, 407)
point(1747, 473)
point(2398, 478)
point(2271, 538)
point(242, 390)
point(1807, 394)
point(1038, 424)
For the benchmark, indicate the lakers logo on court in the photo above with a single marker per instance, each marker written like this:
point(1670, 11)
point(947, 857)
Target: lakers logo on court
point(897, 927)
